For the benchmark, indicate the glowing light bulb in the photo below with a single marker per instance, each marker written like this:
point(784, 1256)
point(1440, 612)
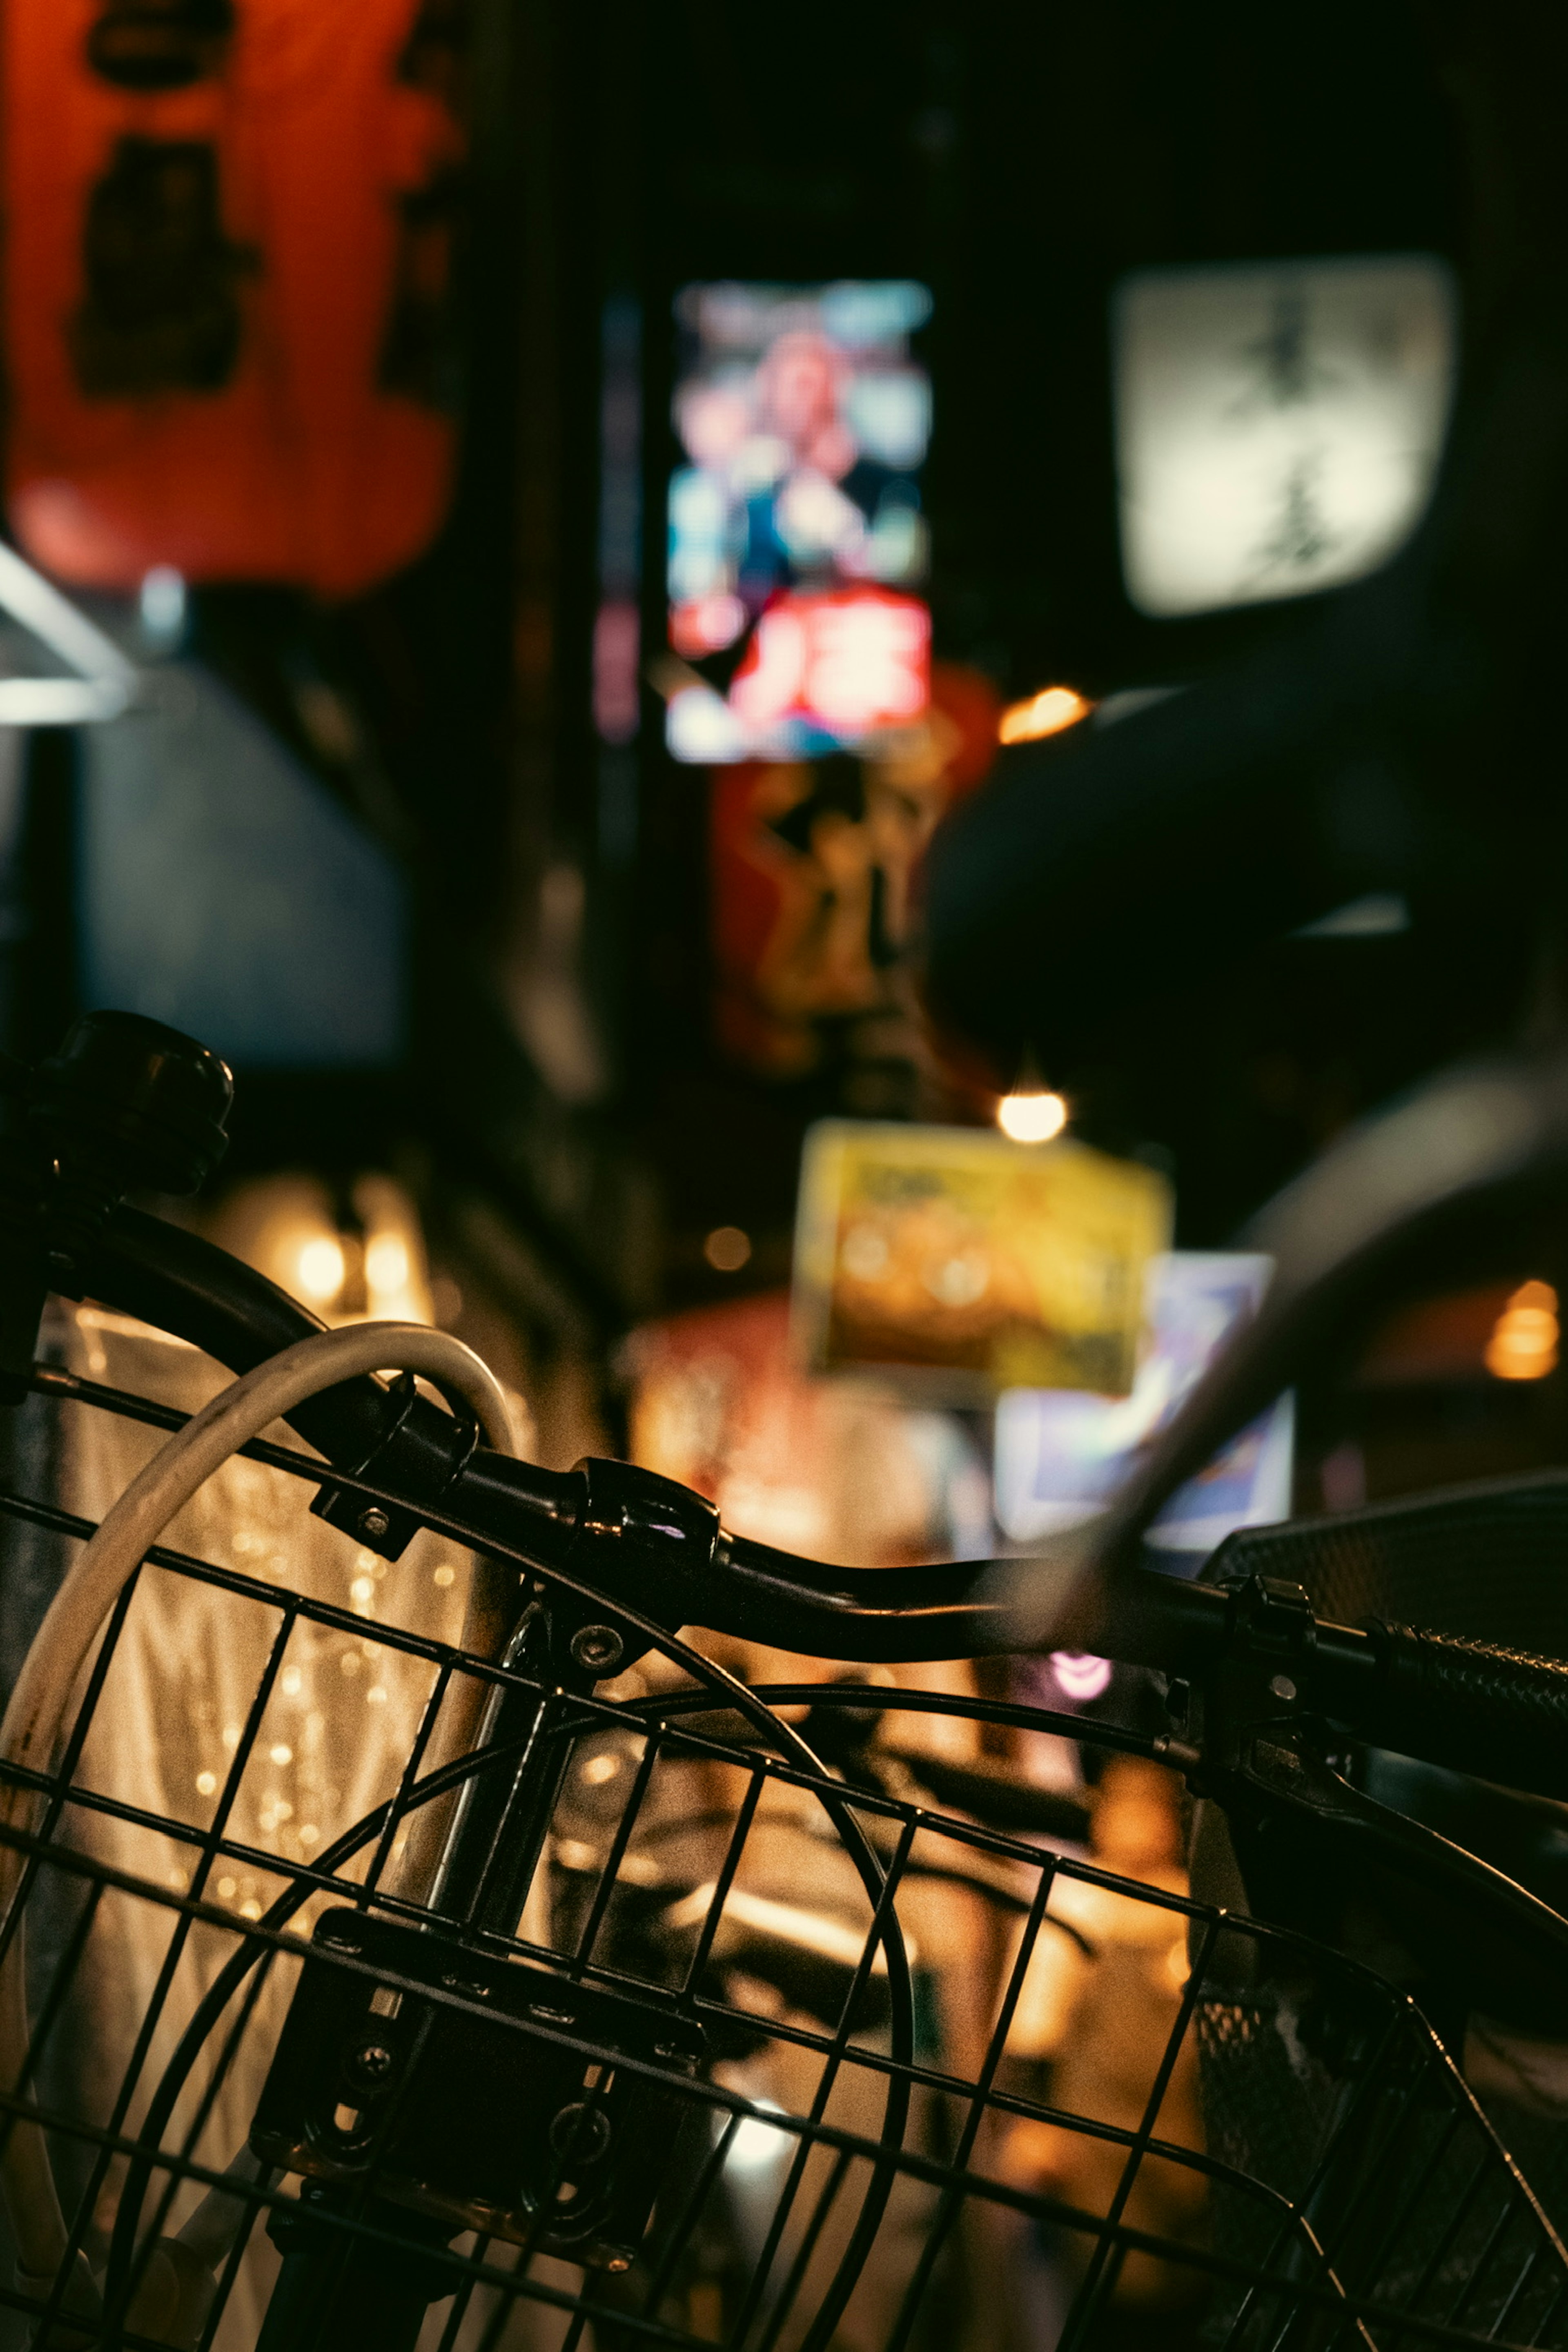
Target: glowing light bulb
point(1524, 1341)
point(1046, 713)
point(318, 1269)
point(1031, 1115)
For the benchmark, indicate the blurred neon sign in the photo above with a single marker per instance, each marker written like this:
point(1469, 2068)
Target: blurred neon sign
point(795, 524)
point(845, 662)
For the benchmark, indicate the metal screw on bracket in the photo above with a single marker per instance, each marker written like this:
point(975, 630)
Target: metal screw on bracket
point(374, 1523)
point(1282, 1687)
point(373, 2063)
point(597, 1647)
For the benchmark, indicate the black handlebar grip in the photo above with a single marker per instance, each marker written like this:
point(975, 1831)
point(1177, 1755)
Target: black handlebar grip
point(1499, 1714)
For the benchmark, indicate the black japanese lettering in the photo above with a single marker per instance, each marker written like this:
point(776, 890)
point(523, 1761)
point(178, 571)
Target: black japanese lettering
point(160, 44)
point(160, 311)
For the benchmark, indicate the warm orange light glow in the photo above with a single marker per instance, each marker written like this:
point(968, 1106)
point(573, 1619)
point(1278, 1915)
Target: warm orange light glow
point(1523, 1345)
point(1046, 713)
point(1031, 1116)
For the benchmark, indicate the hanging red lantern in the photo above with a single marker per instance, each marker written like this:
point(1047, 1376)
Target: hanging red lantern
point(228, 226)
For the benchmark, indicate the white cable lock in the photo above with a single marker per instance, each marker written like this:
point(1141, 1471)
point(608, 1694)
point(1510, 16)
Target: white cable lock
point(30, 1730)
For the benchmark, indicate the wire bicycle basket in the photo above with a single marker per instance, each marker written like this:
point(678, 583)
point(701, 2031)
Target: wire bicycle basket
point(746, 2061)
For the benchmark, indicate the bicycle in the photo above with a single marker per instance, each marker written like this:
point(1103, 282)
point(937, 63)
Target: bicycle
point(500, 2056)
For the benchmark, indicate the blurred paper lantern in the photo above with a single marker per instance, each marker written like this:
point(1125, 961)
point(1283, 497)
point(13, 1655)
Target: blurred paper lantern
point(227, 257)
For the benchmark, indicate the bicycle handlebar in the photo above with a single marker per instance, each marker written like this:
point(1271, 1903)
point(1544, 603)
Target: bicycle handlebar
point(660, 1547)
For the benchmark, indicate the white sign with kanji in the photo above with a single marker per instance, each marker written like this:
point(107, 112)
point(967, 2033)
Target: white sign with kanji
point(1278, 423)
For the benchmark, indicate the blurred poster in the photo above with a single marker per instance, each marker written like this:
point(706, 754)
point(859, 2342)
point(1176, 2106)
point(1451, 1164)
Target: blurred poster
point(977, 1263)
point(1059, 1456)
point(795, 530)
point(1278, 423)
point(813, 873)
point(229, 347)
point(838, 1469)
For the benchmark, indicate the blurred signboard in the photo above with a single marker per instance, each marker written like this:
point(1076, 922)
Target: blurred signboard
point(795, 531)
point(814, 869)
point(1060, 1456)
point(1278, 423)
point(971, 1263)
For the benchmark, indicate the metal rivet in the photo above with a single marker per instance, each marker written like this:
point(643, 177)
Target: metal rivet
point(375, 1523)
point(1282, 1687)
point(597, 1647)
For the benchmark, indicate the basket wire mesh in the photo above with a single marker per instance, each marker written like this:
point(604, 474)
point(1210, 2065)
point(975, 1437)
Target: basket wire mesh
point(759, 2065)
